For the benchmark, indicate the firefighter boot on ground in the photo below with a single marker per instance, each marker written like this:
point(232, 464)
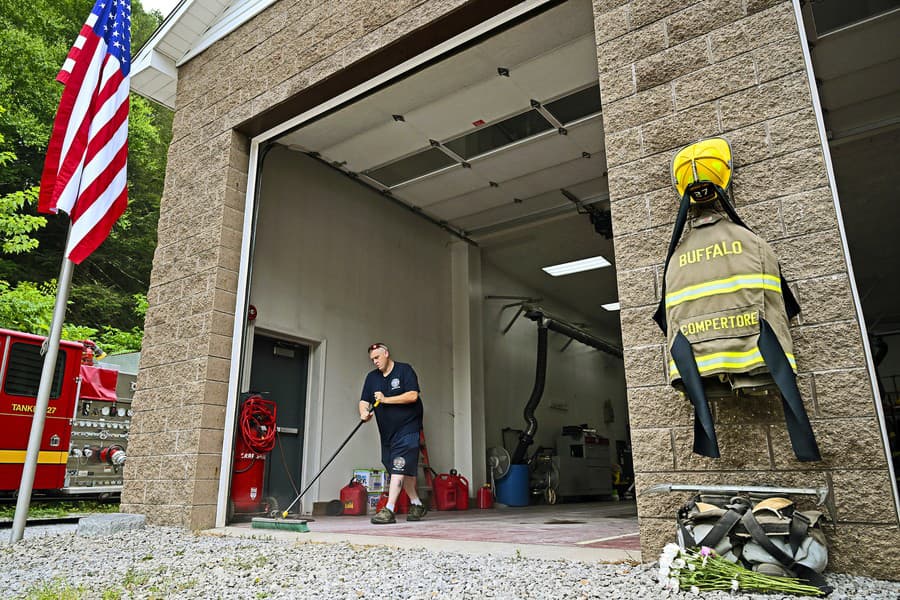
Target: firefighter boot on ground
point(416, 512)
point(385, 516)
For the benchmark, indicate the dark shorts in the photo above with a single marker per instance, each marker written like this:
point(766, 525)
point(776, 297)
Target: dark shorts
point(401, 456)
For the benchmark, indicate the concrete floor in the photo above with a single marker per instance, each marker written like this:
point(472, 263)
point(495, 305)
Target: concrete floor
point(590, 531)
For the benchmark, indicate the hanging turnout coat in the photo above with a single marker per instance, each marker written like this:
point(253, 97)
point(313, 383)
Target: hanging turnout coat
point(725, 309)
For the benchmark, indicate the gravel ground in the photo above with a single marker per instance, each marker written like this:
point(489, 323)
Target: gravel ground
point(159, 562)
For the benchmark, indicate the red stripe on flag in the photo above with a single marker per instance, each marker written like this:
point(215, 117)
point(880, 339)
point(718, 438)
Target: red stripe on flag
point(86, 32)
point(51, 184)
point(92, 193)
point(101, 230)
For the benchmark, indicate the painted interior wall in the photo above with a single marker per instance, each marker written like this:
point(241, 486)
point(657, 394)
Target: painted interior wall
point(579, 379)
point(338, 263)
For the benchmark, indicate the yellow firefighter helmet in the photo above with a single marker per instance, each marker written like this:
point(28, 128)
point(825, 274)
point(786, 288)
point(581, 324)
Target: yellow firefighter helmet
point(697, 166)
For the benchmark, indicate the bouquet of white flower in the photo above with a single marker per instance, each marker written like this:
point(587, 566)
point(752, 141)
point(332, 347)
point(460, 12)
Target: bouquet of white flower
point(701, 570)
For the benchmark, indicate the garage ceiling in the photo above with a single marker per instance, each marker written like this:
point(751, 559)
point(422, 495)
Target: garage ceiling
point(501, 142)
point(856, 58)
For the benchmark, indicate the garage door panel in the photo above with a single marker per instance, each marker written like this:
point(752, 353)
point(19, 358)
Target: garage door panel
point(541, 153)
point(455, 181)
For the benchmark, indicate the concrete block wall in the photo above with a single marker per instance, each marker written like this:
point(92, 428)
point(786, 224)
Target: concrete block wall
point(674, 71)
point(176, 440)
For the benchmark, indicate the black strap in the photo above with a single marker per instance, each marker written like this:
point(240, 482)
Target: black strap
point(759, 536)
point(705, 442)
point(798, 530)
point(722, 528)
point(799, 429)
point(660, 315)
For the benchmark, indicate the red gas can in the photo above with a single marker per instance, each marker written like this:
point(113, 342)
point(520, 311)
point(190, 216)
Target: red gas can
point(445, 488)
point(354, 498)
point(462, 490)
point(400, 508)
point(486, 496)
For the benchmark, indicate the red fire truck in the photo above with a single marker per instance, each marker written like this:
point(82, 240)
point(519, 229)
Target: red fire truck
point(85, 437)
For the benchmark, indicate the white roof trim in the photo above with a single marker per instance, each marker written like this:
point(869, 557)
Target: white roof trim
point(191, 28)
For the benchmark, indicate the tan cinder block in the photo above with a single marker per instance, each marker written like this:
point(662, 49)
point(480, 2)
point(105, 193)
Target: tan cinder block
point(668, 134)
point(638, 108)
point(642, 249)
point(758, 30)
point(825, 299)
point(844, 393)
point(644, 366)
point(731, 76)
point(808, 212)
point(612, 23)
point(764, 218)
point(663, 205)
point(842, 442)
point(624, 146)
point(701, 18)
point(652, 450)
point(689, 57)
point(870, 549)
point(648, 11)
point(632, 46)
point(828, 347)
point(638, 327)
point(754, 6)
point(211, 440)
point(765, 101)
point(617, 83)
point(630, 215)
point(637, 287)
point(658, 406)
point(655, 533)
point(879, 496)
point(811, 255)
point(742, 447)
point(201, 517)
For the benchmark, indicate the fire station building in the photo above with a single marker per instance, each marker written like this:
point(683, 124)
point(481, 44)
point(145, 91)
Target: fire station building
point(357, 171)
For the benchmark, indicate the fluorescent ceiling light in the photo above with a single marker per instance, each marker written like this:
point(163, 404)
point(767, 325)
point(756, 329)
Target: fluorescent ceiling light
point(576, 266)
point(611, 306)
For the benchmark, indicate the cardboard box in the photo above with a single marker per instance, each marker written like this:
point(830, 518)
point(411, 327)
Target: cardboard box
point(373, 479)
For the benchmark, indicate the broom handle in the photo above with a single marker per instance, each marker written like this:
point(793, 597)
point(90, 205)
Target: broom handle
point(333, 456)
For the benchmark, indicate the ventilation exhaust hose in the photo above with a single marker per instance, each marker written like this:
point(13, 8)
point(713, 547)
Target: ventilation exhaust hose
point(526, 438)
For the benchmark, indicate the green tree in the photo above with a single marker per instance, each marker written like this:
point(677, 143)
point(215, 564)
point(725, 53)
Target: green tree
point(35, 36)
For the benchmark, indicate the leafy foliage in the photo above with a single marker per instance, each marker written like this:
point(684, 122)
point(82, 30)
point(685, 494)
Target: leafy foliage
point(35, 36)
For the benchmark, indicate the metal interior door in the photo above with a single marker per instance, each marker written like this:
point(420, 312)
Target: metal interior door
point(279, 371)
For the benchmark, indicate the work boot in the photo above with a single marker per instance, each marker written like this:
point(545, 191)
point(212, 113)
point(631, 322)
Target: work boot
point(385, 516)
point(416, 512)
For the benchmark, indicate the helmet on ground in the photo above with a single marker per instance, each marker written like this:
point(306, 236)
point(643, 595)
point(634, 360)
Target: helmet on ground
point(699, 168)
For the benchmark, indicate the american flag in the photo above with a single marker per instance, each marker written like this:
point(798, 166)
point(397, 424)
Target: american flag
point(84, 171)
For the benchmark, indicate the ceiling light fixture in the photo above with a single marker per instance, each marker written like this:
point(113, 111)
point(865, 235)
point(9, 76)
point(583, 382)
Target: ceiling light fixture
point(576, 266)
point(611, 306)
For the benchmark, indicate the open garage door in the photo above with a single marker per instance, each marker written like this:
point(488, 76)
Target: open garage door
point(855, 53)
point(454, 214)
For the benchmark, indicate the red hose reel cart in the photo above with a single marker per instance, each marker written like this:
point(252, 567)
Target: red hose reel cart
point(254, 441)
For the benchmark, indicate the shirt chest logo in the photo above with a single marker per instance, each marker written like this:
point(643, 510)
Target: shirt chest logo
point(395, 384)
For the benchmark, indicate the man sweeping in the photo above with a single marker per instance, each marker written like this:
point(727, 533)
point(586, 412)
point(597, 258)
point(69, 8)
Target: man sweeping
point(395, 387)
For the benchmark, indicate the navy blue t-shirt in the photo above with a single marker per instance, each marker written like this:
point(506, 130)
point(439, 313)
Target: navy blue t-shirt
point(394, 419)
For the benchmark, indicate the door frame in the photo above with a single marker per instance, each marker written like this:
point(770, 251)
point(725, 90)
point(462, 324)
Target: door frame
point(312, 444)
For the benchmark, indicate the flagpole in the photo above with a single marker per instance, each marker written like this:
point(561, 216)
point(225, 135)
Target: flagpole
point(51, 351)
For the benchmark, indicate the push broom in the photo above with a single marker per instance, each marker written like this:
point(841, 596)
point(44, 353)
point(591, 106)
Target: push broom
point(298, 524)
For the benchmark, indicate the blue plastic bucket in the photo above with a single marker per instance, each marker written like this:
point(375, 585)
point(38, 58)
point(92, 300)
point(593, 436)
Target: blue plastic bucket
point(512, 489)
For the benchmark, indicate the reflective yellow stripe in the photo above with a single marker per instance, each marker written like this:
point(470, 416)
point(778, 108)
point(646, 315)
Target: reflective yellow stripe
point(44, 457)
point(728, 360)
point(724, 286)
